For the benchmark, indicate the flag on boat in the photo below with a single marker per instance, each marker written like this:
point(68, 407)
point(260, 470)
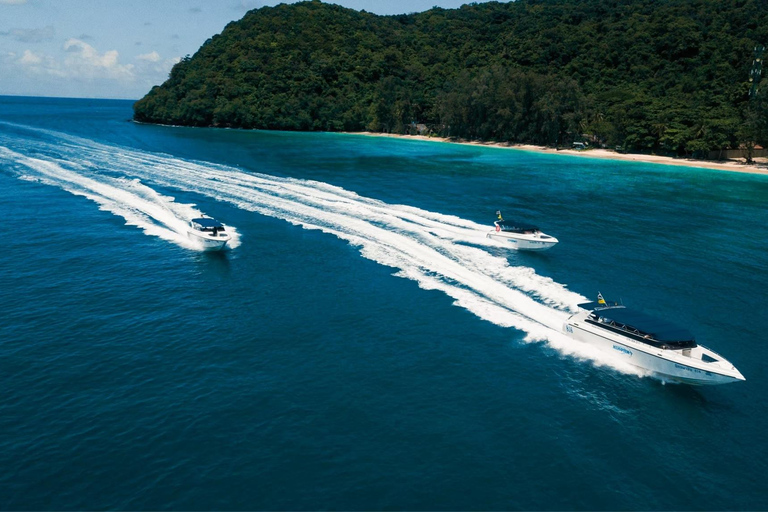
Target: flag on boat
point(600, 299)
point(498, 212)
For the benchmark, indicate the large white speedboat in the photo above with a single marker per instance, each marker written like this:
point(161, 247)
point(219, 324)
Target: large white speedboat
point(520, 236)
point(656, 345)
point(209, 233)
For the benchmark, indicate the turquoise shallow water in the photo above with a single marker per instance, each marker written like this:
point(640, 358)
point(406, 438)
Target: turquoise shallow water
point(362, 346)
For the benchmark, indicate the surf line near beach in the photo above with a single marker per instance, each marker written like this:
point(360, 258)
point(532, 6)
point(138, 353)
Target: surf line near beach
point(603, 154)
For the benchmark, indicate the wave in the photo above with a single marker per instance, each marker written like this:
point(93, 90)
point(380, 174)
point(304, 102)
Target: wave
point(437, 251)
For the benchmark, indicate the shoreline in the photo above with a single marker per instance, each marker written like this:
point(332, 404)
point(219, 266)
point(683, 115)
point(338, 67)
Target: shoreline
point(722, 165)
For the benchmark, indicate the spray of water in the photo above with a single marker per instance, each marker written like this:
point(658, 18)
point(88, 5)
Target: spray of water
point(138, 204)
point(439, 252)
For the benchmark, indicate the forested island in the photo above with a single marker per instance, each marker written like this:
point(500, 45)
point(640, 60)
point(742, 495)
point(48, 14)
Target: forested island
point(670, 77)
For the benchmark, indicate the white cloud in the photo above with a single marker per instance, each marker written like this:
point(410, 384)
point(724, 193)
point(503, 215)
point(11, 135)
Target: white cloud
point(86, 62)
point(80, 69)
point(32, 35)
point(35, 64)
point(152, 68)
point(151, 57)
point(81, 63)
point(30, 59)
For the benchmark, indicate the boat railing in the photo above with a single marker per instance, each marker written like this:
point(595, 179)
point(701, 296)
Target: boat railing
point(637, 334)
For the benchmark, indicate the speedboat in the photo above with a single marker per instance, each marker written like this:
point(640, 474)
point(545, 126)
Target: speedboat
point(208, 232)
point(520, 236)
point(656, 345)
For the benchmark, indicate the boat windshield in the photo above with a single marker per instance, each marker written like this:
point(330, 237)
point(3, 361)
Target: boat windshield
point(513, 227)
point(205, 224)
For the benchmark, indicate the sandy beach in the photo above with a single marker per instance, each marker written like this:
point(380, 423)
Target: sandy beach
point(759, 167)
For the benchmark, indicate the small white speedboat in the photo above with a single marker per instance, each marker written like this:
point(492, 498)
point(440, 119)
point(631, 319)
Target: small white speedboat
point(520, 236)
point(209, 233)
point(649, 343)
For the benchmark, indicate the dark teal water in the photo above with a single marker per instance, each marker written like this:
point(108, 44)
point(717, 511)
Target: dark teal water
point(362, 346)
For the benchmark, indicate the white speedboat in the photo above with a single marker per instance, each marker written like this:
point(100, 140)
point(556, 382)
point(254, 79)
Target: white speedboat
point(209, 233)
point(656, 345)
point(520, 236)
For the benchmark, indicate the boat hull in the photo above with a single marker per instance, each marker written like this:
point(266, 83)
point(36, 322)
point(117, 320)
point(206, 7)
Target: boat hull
point(523, 242)
point(208, 243)
point(669, 365)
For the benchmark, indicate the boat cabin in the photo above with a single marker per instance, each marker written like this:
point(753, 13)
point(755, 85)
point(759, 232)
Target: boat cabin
point(640, 327)
point(207, 225)
point(512, 227)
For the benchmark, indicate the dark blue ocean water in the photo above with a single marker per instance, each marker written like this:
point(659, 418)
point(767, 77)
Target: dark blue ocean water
point(362, 346)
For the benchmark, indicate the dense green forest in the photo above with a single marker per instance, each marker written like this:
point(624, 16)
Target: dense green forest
point(669, 76)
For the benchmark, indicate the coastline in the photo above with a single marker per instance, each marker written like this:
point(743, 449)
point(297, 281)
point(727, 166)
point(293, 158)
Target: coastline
point(724, 165)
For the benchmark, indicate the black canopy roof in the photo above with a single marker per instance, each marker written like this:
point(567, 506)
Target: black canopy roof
point(507, 225)
point(659, 329)
point(207, 222)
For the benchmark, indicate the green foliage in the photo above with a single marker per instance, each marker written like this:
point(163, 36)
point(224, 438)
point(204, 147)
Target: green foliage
point(667, 77)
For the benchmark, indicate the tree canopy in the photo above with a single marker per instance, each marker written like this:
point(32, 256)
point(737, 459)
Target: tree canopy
point(669, 77)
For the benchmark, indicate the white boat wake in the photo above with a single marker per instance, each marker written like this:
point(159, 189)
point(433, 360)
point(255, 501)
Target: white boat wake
point(439, 252)
point(138, 204)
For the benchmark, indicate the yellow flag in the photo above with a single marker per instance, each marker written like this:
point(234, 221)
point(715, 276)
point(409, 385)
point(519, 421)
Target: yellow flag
point(600, 299)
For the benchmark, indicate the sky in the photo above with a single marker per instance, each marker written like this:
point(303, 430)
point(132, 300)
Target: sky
point(121, 48)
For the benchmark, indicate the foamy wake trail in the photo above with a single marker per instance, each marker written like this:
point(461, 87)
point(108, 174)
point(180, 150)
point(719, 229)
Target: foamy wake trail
point(437, 251)
point(138, 204)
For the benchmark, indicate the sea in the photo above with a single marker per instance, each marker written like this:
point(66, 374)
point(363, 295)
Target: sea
point(361, 345)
